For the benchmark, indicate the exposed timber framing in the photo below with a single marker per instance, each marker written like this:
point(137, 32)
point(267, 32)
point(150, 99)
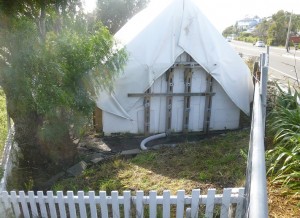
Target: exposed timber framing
point(208, 102)
point(171, 94)
point(187, 99)
point(169, 98)
point(147, 112)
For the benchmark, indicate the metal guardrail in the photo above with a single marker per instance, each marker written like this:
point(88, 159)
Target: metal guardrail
point(256, 203)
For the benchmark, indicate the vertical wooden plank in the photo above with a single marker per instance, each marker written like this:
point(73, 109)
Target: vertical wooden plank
point(166, 204)
point(61, 204)
point(92, 202)
point(5, 204)
point(147, 113)
point(15, 203)
point(208, 103)
point(127, 204)
point(152, 204)
point(98, 123)
point(42, 205)
point(225, 202)
point(187, 99)
point(180, 204)
point(22, 198)
point(239, 206)
point(139, 204)
point(81, 203)
point(115, 204)
point(210, 203)
point(32, 203)
point(169, 99)
point(103, 204)
point(188, 213)
point(51, 204)
point(71, 204)
point(195, 202)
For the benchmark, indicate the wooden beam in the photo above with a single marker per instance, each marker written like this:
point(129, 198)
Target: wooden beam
point(171, 94)
point(208, 102)
point(147, 112)
point(187, 100)
point(169, 99)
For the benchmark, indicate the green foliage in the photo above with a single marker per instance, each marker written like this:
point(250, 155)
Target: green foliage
point(284, 125)
point(229, 31)
point(3, 121)
point(247, 37)
point(273, 31)
point(115, 13)
point(56, 77)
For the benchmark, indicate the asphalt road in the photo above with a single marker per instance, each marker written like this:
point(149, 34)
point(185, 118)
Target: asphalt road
point(282, 65)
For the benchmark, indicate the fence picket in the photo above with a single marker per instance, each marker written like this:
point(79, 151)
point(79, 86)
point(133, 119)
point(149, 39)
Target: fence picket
point(166, 204)
point(152, 204)
point(71, 204)
point(51, 204)
point(81, 203)
point(41, 202)
point(115, 204)
point(92, 204)
point(61, 204)
point(103, 204)
point(32, 203)
point(38, 203)
point(239, 206)
point(195, 202)
point(210, 203)
point(139, 204)
point(24, 204)
point(5, 205)
point(225, 202)
point(127, 203)
point(180, 204)
point(15, 203)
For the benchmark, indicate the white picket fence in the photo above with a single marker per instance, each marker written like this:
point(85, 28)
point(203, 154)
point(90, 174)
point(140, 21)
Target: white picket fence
point(228, 204)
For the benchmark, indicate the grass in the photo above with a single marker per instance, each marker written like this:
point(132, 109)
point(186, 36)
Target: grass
point(216, 162)
point(3, 121)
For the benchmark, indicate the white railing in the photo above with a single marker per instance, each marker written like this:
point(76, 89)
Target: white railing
point(256, 203)
point(6, 161)
point(228, 204)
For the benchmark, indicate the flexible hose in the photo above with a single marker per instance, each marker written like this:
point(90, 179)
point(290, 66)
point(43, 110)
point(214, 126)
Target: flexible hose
point(150, 138)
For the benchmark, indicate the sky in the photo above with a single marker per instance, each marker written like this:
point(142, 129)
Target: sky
point(224, 13)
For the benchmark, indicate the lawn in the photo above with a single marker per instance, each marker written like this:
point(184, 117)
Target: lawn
point(216, 162)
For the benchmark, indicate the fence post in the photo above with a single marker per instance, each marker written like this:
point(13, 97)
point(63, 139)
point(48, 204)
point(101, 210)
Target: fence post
point(264, 82)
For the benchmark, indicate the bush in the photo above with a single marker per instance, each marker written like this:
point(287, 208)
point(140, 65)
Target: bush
point(284, 126)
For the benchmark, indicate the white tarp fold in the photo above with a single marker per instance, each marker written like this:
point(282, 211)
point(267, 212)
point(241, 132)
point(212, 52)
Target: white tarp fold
point(154, 38)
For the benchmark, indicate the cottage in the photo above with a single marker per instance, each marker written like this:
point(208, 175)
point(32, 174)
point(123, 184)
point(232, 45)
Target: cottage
point(181, 76)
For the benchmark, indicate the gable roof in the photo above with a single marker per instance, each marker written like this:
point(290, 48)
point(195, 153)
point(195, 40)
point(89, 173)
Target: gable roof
point(155, 37)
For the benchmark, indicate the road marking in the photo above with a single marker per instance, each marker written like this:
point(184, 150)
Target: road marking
point(291, 56)
point(287, 75)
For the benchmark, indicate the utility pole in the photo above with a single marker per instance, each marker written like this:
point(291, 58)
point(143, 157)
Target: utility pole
point(288, 34)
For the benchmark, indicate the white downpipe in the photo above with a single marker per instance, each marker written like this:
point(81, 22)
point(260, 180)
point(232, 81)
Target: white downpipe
point(150, 138)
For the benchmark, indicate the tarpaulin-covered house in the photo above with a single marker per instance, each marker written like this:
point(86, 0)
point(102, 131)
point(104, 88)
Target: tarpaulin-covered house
point(181, 75)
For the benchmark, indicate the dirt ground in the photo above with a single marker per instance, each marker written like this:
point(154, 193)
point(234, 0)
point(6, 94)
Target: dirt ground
point(118, 143)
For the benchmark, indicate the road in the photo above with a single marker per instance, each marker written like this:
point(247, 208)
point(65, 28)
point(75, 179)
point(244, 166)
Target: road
point(282, 65)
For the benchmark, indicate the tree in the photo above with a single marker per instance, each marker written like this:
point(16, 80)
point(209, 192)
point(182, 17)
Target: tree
point(115, 13)
point(229, 31)
point(261, 30)
point(47, 59)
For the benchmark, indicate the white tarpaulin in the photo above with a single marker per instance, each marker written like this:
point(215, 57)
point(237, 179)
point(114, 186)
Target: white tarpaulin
point(154, 38)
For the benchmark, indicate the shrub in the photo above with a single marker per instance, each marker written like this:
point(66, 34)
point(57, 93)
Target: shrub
point(284, 126)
